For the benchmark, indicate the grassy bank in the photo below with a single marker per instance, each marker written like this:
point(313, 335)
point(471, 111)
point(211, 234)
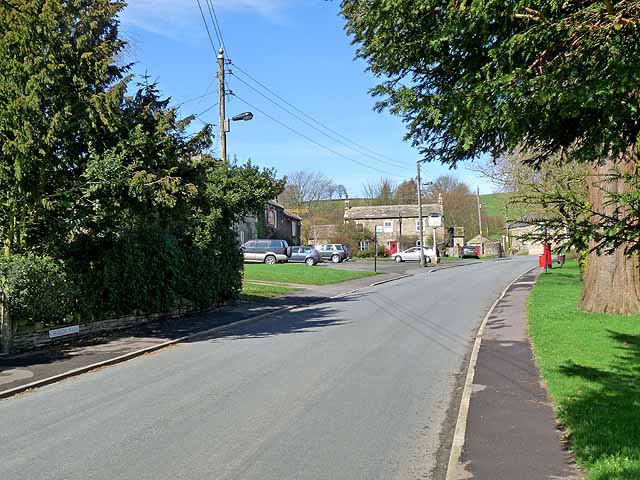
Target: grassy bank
point(253, 292)
point(299, 273)
point(591, 364)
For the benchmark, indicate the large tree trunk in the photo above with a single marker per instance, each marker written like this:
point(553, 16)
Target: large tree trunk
point(612, 282)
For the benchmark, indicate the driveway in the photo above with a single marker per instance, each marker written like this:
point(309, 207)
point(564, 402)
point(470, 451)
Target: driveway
point(353, 388)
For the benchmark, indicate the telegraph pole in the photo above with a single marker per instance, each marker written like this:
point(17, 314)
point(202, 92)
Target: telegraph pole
point(221, 106)
point(480, 220)
point(420, 222)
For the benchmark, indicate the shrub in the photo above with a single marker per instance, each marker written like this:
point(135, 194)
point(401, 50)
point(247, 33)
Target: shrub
point(38, 291)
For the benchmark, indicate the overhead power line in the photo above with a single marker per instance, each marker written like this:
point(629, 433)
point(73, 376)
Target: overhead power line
point(311, 125)
point(373, 152)
point(218, 28)
point(206, 26)
point(315, 142)
point(214, 23)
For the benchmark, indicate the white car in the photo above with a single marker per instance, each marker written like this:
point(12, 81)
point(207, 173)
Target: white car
point(413, 255)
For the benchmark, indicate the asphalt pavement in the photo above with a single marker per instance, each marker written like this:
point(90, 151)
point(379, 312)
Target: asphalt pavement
point(352, 388)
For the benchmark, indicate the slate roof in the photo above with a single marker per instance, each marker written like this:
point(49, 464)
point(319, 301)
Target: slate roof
point(390, 211)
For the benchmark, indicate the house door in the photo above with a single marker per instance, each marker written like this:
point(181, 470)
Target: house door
point(393, 248)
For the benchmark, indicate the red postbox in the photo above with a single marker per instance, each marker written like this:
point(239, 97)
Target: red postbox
point(545, 260)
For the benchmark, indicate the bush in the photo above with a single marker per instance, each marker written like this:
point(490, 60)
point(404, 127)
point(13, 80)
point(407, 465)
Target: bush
point(38, 291)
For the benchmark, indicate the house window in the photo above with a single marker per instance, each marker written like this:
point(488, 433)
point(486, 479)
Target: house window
point(294, 228)
point(418, 224)
point(271, 217)
point(388, 226)
point(242, 236)
point(360, 227)
point(364, 245)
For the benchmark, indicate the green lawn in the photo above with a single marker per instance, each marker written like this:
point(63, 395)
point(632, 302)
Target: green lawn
point(591, 364)
point(299, 273)
point(252, 292)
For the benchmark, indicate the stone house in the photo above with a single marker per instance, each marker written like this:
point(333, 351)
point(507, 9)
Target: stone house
point(275, 222)
point(491, 247)
point(397, 225)
point(319, 234)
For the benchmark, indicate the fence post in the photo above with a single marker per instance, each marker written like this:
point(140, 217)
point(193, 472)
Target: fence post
point(6, 329)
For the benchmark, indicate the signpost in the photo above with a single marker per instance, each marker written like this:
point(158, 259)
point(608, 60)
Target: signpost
point(435, 221)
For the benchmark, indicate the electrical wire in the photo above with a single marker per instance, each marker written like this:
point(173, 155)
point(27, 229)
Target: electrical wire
point(298, 117)
point(395, 162)
point(214, 23)
point(206, 26)
point(315, 142)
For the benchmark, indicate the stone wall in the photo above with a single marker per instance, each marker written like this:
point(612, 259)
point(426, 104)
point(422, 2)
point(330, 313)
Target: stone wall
point(39, 339)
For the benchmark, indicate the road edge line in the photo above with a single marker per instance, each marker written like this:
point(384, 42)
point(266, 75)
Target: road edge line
point(460, 430)
point(447, 267)
point(153, 348)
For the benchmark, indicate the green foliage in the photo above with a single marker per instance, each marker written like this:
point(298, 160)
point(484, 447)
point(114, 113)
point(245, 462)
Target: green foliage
point(37, 290)
point(591, 365)
point(486, 77)
point(106, 196)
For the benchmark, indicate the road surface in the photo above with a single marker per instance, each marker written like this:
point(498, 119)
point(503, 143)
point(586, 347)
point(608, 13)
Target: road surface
point(356, 388)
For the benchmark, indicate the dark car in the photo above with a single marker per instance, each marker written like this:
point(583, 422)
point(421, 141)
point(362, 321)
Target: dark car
point(267, 251)
point(334, 252)
point(469, 251)
point(304, 254)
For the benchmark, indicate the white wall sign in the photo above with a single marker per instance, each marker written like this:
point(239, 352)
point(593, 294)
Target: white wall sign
point(379, 228)
point(61, 332)
point(435, 221)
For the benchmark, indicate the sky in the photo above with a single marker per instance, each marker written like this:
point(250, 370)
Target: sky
point(299, 50)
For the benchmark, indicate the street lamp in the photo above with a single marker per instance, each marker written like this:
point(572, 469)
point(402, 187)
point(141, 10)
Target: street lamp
point(244, 116)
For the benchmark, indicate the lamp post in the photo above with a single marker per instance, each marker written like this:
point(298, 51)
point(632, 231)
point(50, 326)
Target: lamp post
point(420, 222)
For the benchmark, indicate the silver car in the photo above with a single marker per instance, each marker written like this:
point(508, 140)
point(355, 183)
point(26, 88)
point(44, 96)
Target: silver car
point(304, 254)
point(413, 255)
point(266, 251)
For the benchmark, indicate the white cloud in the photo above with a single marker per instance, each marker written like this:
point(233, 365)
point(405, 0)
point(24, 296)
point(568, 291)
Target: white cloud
point(174, 17)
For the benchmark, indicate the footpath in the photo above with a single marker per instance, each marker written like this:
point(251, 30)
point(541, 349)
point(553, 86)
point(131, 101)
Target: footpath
point(510, 430)
point(21, 372)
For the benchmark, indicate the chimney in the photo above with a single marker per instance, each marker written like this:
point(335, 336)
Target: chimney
point(347, 204)
point(439, 199)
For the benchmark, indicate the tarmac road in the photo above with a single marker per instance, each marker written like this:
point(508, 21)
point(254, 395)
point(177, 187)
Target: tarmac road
point(354, 388)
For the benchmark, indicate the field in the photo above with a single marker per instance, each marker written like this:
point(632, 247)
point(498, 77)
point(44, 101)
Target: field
point(299, 274)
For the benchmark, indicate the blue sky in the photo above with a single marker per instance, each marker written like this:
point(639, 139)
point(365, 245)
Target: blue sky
point(299, 50)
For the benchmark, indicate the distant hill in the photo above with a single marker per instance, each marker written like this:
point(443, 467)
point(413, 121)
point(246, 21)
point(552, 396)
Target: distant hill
point(494, 205)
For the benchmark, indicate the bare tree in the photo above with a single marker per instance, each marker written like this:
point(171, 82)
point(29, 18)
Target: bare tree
point(304, 192)
point(407, 192)
point(380, 192)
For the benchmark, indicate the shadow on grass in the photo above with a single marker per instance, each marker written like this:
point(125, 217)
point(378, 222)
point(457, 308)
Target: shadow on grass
point(604, 415)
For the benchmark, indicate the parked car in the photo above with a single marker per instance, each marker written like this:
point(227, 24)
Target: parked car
point(334, 252)
point(413, 255)
point(267, 251)
point(306, 254)
point(469, 251)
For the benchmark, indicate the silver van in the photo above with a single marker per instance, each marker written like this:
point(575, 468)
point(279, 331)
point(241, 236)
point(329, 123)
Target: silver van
point(266, 251)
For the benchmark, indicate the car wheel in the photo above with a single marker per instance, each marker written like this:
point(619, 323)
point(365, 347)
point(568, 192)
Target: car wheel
point(335, 258)
point(398, 259)
point(270, 260)
point(310, 261)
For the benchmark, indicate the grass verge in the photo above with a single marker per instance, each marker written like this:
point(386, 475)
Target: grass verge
point(591, 364)
point(253, 292)
point(299, 273)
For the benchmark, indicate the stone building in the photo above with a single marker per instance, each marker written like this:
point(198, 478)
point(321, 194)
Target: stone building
point(275, 222)
point(397, 225)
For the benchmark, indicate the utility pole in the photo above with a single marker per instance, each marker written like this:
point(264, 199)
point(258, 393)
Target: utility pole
point(480, 220)
point(420, 222)
point(221, 106)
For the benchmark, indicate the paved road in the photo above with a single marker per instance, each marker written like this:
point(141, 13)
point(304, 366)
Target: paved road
point(356, 388)
point(385, 266)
